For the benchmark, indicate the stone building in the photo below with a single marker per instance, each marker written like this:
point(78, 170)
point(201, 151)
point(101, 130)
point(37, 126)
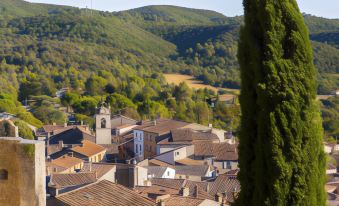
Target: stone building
point(22, 172)
point(103, 126)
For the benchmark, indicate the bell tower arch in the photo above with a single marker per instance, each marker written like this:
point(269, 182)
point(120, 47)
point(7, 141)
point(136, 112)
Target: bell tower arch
point(103, 134)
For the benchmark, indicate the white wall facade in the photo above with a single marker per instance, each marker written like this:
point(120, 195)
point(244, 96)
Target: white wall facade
point(141, 176)
point(169, 173)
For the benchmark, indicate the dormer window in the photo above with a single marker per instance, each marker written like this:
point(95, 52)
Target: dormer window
point(3, 174)
point(103, 123)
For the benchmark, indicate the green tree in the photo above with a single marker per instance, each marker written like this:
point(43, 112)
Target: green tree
point(95, 85)
point(281, 153)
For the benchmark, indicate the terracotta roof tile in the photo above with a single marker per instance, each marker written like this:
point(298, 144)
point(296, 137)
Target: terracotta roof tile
point(88, 148)
point(188, 161)
point(67, 161)
point(221, 151)
point(170, 183)
point(192, 170)
point(155, 162)
point(163, 126)
point(188, 134)
point(66, 180)
point(104, 193)
point(182, 201)
point(156, 190)
point(100, 168)
point(225, 184)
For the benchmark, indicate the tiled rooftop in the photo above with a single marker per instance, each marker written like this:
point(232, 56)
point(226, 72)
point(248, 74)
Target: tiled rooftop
point(192, 170)
point(66, 161)
point(104, 193)
point(221, 151)
point(88, 148)
point(67, 180)
point(100, 168)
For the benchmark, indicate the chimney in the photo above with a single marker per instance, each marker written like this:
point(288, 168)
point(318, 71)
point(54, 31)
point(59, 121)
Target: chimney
point(218, 198)
point(90, 166)
point(70, 154)
point(148, 183)
point(160, 200)
point(185, 191)
point(161, 203)
point(196, 193)
point(54, 124)
point(224, 198)
point(235, 193)
point(65, 124)
point(53, 191)
point(155, 122)
point(208, 188)
point(81, 122)
point(61, 144)
point(210, 125)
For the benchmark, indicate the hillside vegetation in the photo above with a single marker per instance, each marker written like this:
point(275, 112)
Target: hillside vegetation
point(121, 57)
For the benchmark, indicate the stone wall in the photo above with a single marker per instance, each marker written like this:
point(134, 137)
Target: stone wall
point(24, 161)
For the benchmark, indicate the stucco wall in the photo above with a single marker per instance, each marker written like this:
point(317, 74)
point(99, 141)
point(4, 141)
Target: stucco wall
point(25, 185)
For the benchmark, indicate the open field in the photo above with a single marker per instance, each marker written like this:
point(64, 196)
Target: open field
point(193, 83)
point(334, 75)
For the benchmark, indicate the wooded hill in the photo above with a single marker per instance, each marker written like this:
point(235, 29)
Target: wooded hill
point(46, 47)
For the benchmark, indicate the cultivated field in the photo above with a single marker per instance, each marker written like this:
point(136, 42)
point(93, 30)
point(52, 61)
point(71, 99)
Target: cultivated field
point(193, 83)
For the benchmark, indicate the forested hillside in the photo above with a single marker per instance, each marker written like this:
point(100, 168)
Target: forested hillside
point(120, 57)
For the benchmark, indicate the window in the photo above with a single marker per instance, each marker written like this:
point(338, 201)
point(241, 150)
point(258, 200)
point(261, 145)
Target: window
point(140, 148)
point(150, 148)
point(3, 174)
point(177, 153)
point(103, 123)
point(136, 149)
point(168, 173)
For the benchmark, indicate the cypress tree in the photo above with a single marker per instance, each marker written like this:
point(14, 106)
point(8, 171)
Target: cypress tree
point(281, 152)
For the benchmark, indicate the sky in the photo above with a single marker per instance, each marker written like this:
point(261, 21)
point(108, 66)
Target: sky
point(322, 8)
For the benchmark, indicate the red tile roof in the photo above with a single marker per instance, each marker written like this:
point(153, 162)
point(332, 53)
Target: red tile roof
point(221, 151)
point(67, 180)
point(162, 126)
point(67, 161)
point(88, 148)
point(104, 193)
point(100, 168)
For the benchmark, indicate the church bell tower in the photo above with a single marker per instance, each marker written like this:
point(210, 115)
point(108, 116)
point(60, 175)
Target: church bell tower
point(103, 134)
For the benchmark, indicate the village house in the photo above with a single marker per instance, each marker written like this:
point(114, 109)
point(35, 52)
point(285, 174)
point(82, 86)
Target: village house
point(64, 164)
point(67, 139)
point(176, 154)
point(223, 156)
point(221, 190)
point(89, 151)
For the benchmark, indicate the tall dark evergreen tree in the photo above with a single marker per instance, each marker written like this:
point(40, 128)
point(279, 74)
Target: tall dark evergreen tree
point(281, 153)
